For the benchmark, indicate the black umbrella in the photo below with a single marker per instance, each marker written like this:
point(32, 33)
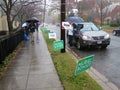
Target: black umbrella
point(32, 20)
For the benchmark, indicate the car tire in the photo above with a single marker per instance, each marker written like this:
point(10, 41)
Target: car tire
point(104, 46)
point(114, 33)
point(79, 45)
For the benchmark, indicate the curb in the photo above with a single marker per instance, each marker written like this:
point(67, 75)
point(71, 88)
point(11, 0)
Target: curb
point(101, 80)
point(98, 77)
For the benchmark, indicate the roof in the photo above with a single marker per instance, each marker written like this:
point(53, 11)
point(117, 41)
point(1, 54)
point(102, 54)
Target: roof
point(111, 7)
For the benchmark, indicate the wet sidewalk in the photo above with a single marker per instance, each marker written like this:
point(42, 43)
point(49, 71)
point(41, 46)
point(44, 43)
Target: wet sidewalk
point(32, 69)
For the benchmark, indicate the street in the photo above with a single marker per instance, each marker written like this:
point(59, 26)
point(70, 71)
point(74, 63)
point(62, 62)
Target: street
point(106, 61)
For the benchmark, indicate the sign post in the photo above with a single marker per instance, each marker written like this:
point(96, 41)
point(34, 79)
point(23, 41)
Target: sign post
point(63, 19)
point(52, 35)
point(84, 64)
point(66, 25)
point(58, 45)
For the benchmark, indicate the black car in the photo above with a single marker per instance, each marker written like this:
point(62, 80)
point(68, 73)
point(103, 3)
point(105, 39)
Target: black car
point(88, 34)
point(116, 32)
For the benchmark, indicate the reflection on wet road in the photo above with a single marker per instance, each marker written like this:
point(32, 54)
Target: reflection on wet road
point(107, 61)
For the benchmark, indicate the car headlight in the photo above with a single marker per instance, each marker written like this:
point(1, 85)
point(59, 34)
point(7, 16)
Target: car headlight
point(85, 37)
point(107, 36)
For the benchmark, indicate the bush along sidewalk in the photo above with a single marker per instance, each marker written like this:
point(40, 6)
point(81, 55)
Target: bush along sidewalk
point(65, 66)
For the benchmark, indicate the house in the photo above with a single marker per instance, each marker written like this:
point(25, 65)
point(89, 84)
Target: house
point(112, 11)
point(0, 22)
point(3, 21)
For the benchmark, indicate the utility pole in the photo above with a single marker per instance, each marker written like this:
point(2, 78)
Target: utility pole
point(44, 12)
point(62, 20)
point(101, 14)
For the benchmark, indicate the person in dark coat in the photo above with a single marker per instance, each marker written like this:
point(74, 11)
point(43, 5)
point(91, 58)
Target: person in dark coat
point(32, 30)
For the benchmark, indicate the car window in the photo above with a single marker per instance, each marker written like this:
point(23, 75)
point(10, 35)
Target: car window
point(87, 27)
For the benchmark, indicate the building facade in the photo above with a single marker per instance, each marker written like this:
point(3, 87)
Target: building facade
point(3, 20)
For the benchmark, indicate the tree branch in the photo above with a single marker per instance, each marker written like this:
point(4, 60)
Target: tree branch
point(3, 8)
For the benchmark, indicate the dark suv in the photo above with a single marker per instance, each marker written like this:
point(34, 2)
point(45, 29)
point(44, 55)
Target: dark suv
point(88, 34)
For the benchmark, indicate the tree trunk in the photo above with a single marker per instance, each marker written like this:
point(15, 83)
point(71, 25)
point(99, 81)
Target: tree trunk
point(10, 26)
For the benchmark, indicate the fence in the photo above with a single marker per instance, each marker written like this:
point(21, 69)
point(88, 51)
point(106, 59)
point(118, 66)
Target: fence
point(8, 43)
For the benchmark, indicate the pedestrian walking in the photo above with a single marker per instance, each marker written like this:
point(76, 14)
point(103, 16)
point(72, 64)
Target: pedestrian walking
point(25, 27)
point(37, 29)
point(25, 30)
point(32, 30)
point(71, 32)
point(37, 26)
point(70, 36)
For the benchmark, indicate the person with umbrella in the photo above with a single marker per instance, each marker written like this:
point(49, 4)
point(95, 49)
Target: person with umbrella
point(32, 20)
point(32, 30)
point(32, 27)
point(25, 27)
point(37, 25)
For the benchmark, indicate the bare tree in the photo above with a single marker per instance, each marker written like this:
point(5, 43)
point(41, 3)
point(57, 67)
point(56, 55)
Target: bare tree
point(91, 10)
point(102, 4)
point(27, 11)
point(85, 8)
point(8, 5)
point(55, 5)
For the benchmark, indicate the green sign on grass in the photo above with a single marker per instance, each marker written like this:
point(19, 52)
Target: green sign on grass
point(83, 64)
point(58, 45)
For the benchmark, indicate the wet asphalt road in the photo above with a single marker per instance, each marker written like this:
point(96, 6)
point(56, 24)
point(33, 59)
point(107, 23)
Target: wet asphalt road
point(107, 61)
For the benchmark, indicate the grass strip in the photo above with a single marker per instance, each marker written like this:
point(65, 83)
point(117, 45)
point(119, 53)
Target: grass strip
point(108, 28)
point(65, 66)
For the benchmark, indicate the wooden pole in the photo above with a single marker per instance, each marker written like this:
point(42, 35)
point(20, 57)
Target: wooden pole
point(62, 20)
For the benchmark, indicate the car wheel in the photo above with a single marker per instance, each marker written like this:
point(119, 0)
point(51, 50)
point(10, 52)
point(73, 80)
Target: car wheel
point(104, 46)
point(79, 45)
point(114, 33)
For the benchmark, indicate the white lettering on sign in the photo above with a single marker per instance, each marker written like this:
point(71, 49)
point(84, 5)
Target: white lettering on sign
point(66, 25)
point(52, 35)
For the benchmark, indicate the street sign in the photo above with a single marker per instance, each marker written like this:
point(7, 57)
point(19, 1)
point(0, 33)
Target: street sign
point(84, 64)
point(58, 45)
point(52, 35)
point(66, 25)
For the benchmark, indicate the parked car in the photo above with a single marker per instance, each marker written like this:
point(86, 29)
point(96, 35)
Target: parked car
point(116, 32)
point(88, 34)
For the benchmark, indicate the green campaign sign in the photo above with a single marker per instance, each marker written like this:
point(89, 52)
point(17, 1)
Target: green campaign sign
point(58, 45)
point(83, 64)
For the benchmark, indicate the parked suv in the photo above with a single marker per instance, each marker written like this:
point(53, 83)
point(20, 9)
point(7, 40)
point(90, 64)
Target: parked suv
point(88, 34)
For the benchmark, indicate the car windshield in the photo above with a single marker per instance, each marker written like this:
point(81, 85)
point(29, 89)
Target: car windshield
point(87, 27)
